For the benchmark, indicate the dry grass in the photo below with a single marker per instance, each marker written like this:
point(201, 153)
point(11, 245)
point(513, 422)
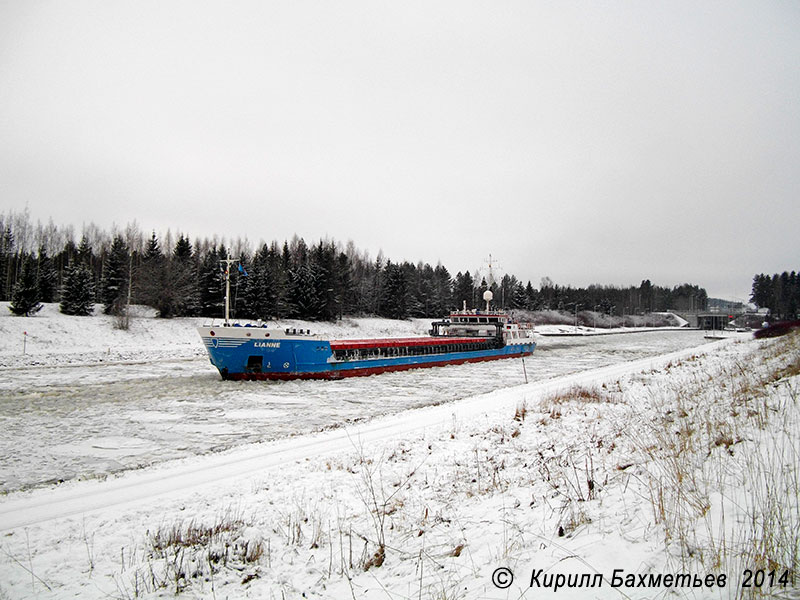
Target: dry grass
point(580, 394)
point(556, 403)
point(180, 535)
point(195, 551)
point(722, 465)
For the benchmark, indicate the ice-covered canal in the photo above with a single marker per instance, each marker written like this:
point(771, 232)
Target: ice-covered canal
point(64, 422)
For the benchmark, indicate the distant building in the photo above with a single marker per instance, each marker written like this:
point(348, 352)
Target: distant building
point(714, 320)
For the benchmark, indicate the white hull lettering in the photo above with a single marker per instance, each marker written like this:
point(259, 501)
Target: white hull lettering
point(267, 344)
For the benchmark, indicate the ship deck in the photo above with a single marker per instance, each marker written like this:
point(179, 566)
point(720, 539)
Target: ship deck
point(366, 344)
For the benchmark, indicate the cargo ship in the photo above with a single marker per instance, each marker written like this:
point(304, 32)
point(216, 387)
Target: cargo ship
point(257, 351)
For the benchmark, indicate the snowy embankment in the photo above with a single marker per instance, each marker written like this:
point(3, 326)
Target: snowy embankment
point(52, 339)
point(685, 463)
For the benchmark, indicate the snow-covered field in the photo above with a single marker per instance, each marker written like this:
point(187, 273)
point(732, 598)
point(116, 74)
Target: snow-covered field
point(652, 452)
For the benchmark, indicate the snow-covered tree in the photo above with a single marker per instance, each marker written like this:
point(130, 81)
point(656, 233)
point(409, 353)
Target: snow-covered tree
point(46, 276)
point(343, 283)
point(77, 294)
point(182, 278)
point(323, 259)
point(394, 295)
point(150, 276)
point(303, 291)
point(6, 263)
point(463, 290)
point(258, 296)
point(114, 286)
point(212, 283)
point(25, 296)
point(442, 293)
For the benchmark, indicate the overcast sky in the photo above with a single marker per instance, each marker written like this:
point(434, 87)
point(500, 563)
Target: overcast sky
point(591, 142)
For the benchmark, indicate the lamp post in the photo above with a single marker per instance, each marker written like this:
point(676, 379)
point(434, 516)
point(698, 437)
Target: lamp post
point(576, 314)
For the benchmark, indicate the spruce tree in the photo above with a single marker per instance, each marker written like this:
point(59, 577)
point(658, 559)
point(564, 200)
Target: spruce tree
point(344, 285)
point(441, 301)
point(279, 277)
point(25, 296)
point(114, 286)
point(182, 275)
point(3, 268)
point(77, 295)
point(323, 259)
point(212, 285)
point(394, 293)
point(373, 287)
point(258, 295)
point(463, 290)
point(531, 297)
point(417, 289)
point(304, 292)
point(6, 263)
point(85, 252)
point(419, 279)
point(150, 280)
point(519, 296)
point(46, 276)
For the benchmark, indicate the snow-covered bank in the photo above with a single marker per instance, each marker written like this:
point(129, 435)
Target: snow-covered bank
point(570, 330)
point(577, 475)
point(52, 339)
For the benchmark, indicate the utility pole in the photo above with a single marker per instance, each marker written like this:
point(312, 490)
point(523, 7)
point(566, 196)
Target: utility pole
point(130, 283)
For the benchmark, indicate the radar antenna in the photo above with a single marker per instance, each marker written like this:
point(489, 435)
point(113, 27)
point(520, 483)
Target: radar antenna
point(492, 266)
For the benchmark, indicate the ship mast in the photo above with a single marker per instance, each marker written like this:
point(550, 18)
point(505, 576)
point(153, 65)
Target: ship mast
point(491, 274)
point(492, 264)
point(228, 262)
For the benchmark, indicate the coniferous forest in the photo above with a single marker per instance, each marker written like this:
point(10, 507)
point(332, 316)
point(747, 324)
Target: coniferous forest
point(780, 293)
point(320, 280)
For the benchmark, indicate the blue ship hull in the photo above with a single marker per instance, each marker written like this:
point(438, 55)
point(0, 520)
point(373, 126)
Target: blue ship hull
point(256, 353)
